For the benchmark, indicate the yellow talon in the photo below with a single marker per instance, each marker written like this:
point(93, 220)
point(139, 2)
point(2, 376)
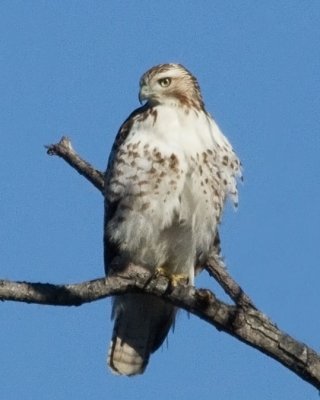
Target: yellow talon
point(175, 279)
point(160, 271)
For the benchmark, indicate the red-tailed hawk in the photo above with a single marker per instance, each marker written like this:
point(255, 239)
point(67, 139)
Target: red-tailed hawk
point(169, 174)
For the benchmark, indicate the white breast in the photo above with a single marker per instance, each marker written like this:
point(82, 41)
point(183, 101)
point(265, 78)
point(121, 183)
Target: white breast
point(169, 178)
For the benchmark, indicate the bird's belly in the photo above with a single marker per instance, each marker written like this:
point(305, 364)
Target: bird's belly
point(170, 233)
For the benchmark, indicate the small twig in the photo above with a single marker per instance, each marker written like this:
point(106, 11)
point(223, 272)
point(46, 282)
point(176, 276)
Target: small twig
point(65, 150)
point(216, 268)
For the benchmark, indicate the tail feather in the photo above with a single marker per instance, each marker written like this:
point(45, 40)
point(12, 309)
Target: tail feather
point(124, 359)
point(141, 324)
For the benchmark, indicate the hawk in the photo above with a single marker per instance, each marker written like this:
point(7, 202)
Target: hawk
point(168, 176)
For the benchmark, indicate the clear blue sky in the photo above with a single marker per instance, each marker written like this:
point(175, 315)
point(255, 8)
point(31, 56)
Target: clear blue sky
point(72, 67)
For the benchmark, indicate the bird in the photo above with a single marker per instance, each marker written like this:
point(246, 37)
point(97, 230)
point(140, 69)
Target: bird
point(169, 174)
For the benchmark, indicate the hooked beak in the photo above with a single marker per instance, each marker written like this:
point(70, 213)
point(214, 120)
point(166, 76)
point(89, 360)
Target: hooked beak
point(143, 93)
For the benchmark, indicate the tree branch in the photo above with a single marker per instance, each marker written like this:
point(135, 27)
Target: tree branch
point(246, 324)
point(242, 321)
point(65, 150)
point(216, 268)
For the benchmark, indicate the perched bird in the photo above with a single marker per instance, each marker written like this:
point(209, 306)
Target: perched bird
point(168, 176)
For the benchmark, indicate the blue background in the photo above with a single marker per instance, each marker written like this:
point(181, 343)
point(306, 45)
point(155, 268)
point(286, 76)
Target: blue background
point(72, 67)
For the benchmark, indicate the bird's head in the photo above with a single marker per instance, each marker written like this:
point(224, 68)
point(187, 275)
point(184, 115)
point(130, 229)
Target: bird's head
point(170, 84)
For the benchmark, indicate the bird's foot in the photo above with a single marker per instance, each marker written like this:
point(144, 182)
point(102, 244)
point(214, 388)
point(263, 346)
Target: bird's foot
point(175, 279)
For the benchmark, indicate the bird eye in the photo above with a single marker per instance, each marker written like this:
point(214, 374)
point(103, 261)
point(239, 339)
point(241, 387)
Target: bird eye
point(164, 82)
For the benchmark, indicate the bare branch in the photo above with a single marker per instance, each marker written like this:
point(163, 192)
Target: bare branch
point(218, 271)
point(243, 321)
point(246, 324)
point(65, 150)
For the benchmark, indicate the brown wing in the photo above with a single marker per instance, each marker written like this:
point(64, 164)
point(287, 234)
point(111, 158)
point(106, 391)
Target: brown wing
point(110, 248)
